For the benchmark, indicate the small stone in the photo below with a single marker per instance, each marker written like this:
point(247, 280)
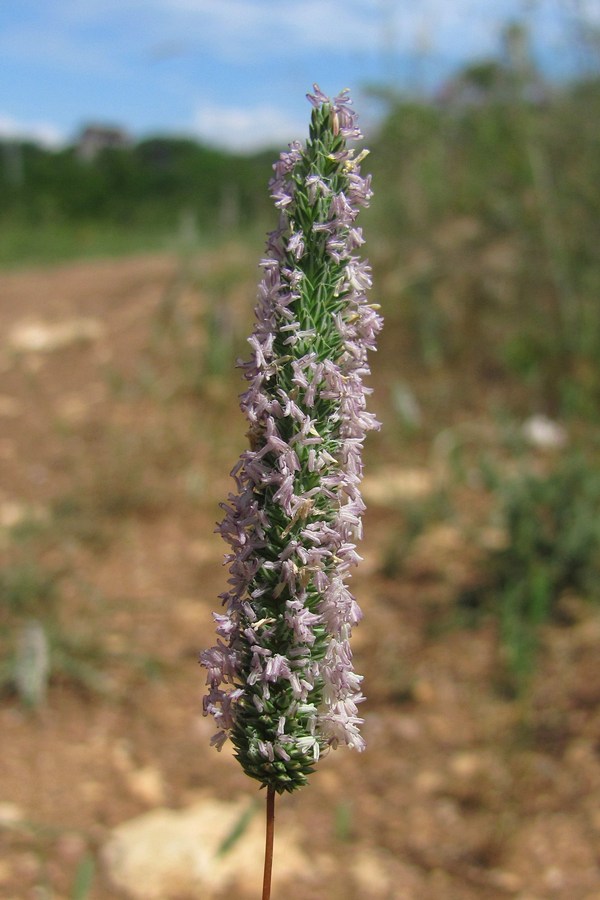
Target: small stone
point(13, 514)
point(32, 664)
point(465, 765)
point(146, 785)
point(10, 815)
point(391, 485)
point(554, 878)
point(369, 874)
point(542, 432)
point(46, 337)
point(166, 853)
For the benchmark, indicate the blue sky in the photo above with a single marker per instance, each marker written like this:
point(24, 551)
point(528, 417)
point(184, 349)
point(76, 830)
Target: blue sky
point(235, 72)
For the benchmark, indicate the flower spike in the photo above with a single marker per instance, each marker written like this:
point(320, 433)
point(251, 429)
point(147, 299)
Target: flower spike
point(280, 679)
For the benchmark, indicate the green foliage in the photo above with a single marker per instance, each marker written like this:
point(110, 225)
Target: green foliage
point(343, 821)
point(49, 241)
point(196, 333)
point(238, 829)
point(56, 204)
point(27, 589)
point(552, 546)
point(35, 644)
point(84, 878)
point(487, 234)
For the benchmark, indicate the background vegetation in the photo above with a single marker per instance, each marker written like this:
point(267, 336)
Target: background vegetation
point(484, 236)
point(484, 495)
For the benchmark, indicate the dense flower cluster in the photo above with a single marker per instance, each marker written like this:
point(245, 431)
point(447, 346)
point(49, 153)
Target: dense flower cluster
point(281, 682)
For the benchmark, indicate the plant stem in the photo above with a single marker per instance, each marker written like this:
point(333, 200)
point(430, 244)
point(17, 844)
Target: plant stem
point(266, 894)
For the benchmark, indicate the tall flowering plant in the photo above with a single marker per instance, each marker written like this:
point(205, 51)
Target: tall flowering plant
point(281, 682)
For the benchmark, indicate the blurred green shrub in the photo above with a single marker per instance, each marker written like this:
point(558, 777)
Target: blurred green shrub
point(415, 516)
point(198, 332)
point(36, 644)
point(71, 206)
point(551, 547)
point(27, 589)
point(487, 233)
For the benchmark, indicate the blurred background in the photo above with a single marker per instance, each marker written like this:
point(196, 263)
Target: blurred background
point(136, 145)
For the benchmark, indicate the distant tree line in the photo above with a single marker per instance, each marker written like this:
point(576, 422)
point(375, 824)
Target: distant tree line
point(150, 183)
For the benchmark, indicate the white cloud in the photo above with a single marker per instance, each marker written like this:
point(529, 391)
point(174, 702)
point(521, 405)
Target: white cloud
point(44, 133)
point(246, 29)
point(242, 31)
point(97, 33)
point(107, 48)
point(244, 128)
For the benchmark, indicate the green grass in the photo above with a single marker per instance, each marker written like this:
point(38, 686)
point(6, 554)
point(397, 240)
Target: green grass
point(50, 242)
point(552, 551)
point(35, 245)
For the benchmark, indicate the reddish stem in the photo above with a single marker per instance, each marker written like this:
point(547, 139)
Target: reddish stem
point(266, 894)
